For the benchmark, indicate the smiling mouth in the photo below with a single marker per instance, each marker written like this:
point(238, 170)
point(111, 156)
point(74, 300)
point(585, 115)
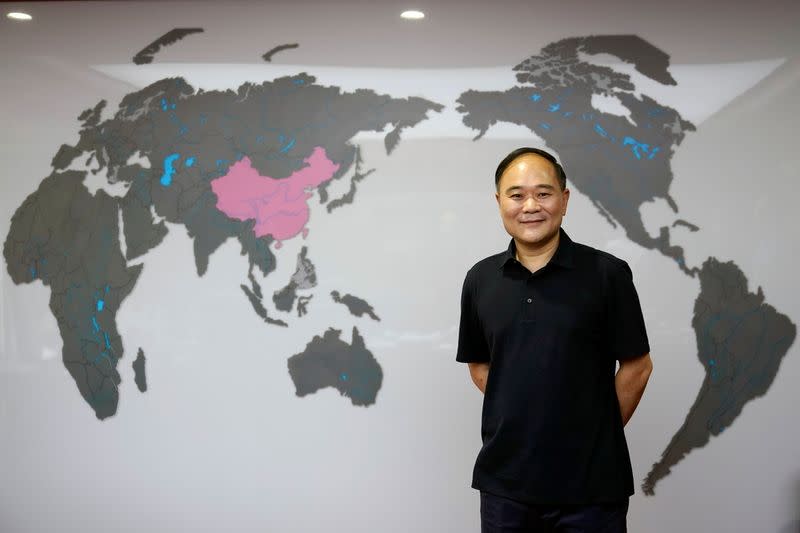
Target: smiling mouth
point(531, 221)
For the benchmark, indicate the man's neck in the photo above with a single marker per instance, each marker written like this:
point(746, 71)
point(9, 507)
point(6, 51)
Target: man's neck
point(535, 257)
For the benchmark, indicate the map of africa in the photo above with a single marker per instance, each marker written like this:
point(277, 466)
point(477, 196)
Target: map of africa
point(245, 164)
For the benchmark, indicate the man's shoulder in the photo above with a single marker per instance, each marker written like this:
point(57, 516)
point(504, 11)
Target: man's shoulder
point(488, 265)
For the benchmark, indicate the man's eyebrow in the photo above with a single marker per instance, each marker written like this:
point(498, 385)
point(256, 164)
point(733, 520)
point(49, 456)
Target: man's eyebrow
point(514, 188)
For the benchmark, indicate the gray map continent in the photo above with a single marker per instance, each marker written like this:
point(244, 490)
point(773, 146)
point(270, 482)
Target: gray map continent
point(140, 377)
point(328, 361)
point(618, 165)
point(357, 306)
point(69, 239)
point(741, 342)
point(276, 124)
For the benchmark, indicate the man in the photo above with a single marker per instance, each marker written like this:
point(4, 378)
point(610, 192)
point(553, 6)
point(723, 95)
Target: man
point(542, 327)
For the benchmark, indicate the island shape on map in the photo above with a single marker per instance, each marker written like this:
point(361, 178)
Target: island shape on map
point(146, 54)
point(69, 239)
point(280, 48)
point(328, 361)
point(304, 277)
point(357, 306)
point(139, 371)
point(358, 176)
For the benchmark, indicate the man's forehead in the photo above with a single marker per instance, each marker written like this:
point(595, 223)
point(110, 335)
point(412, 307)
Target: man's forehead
point(532, 161)
point(529, 170)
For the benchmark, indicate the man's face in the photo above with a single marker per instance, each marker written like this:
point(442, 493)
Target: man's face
point(531, 201)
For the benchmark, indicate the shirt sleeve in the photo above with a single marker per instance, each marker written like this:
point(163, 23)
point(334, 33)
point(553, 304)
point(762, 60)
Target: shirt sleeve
point(472, 346)
point(627, 332)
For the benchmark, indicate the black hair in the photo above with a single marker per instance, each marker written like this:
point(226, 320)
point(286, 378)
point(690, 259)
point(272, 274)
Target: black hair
point(560, 174)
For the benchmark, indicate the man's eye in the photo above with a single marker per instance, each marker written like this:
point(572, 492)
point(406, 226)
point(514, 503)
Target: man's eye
point(544, 194)
point(516, 196)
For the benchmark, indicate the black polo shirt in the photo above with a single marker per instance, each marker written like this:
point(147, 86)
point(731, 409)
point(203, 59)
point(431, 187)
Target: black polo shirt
point(551, 426)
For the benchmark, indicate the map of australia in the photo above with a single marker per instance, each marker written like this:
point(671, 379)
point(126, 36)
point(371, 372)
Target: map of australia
point(328, 361)
point(619, 163)
point(224, 164)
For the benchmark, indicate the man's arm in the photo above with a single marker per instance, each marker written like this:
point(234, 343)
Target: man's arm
point(479, 372)
point(630, 382)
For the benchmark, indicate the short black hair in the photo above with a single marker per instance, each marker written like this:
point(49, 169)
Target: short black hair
point(560, 174)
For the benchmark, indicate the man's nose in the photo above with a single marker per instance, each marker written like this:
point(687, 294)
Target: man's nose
point(530, 205)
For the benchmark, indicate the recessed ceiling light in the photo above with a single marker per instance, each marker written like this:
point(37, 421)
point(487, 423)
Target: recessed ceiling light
point(412, 15)
point(17, 15)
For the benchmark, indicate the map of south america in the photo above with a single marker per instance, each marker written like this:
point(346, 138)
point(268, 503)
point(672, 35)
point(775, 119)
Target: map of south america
point(619, 163)
point(224, 164)
point(741, 341)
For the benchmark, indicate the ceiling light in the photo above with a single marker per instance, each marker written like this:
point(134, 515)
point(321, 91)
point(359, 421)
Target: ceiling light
point(17, 15)
point(412, 15)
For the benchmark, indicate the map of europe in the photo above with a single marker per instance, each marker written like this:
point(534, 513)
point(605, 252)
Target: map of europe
point(245, 163)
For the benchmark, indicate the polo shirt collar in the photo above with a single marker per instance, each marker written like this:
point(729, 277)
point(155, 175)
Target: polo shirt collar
point(564, 255)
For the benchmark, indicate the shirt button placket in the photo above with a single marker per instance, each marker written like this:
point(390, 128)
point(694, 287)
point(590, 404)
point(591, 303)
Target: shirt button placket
point(527, 300)
point(527, 309)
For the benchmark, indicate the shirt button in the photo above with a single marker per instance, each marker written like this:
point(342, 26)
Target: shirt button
point(530, 300)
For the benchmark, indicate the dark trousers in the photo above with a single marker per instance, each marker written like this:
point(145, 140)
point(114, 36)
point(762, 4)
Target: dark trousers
point(501, 515)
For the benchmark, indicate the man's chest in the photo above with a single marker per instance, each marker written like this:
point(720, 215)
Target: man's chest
point(542, 310)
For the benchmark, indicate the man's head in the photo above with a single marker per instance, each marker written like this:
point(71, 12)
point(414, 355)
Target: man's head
point(532, 195)
point(506, 162)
